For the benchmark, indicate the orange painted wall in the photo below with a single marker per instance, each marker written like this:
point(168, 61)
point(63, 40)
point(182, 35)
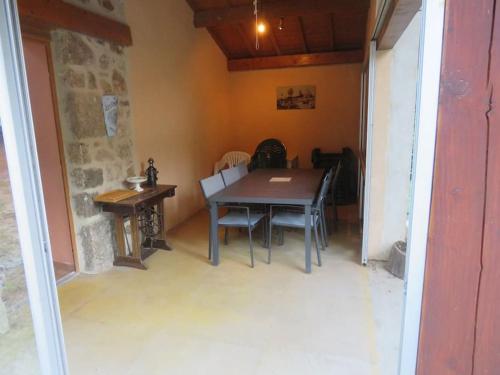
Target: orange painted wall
point(179, 98)
point(331, 126)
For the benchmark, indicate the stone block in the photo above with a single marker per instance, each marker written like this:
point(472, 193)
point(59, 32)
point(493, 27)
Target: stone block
point(70, 48)
point(92, 82)
point(125, 151)
point(116, 48)
point(104, 61)
point(131, 171)
point(104, 155)
point(119, 84)
point(114, 172)
point(87, 178)
point(107, 4)
point(74, 79)
point(84, 112)
point(78, 153)
point(4, 318)
point(85, 206)
point(105, 87)
point(98, 245)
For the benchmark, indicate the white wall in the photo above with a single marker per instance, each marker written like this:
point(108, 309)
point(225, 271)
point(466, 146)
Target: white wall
point(393, 131)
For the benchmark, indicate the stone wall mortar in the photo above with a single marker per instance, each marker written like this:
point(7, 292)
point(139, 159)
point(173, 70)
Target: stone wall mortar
point(86, 69)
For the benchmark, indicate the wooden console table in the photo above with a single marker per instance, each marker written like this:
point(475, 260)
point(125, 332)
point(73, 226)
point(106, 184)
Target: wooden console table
point(133, 208)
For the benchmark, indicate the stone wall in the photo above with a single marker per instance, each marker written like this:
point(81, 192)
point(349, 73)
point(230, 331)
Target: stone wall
point(85, 69)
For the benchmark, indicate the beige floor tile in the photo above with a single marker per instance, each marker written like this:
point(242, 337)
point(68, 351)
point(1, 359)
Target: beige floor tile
point(184, 316)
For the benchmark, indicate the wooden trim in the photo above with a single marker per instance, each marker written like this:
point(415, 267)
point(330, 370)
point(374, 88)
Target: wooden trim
point(60, 144)
point(287, 61)
point(456, 259)
point(487, 333)
point(55, 14)
point(397, 19)
point(276, 9)
point(34, 30)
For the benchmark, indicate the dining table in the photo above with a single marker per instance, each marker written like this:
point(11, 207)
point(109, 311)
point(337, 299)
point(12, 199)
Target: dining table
point(297, 187)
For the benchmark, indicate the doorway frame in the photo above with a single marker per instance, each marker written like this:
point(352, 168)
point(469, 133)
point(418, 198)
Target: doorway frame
point(25, 179)
point(428, 84)
point(21, 153)
point(42, 36)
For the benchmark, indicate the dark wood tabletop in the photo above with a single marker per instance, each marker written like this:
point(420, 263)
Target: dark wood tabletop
point(138, 202)
point(256, 187)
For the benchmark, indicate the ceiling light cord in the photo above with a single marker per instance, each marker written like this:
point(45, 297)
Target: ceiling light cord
point(256, 13)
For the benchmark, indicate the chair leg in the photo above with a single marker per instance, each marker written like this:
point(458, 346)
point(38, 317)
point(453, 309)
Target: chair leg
point(209, 243)
point(316, 240)
point(226, 236)
point(324, 228)
point(322, 234)
point(335, 216)
point(269, 240)
point(251, 246)
point(281, 236)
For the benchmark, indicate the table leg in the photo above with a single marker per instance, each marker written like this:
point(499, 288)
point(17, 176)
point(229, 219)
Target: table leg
point(307, 230)
point(213, 233)
point(136, 246)
point(120, 235)
point(162, 242)
point(123, 259)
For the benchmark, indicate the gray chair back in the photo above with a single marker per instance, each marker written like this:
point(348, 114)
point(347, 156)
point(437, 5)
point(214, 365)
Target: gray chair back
point(212, 185)
point(243, 169)
point(324, 187)
point(336, 177)
point(230, 175)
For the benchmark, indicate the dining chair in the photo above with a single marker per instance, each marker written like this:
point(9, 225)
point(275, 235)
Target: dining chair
point(290, 216)
point(236, 217)
point(232, 159)
point(270, 153)
point(333, 185)
point(243, 169)
point(231, 175)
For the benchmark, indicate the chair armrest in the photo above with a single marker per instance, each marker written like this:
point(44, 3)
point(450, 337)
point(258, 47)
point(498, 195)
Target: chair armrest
point(288, 206)
point(242, 208)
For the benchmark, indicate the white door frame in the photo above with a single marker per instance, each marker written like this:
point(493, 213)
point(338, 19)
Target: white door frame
point(24, 173)
point(429, 71)
point(369, 145)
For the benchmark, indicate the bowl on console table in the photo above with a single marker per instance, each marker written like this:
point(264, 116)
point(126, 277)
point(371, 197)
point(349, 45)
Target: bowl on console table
point(137, 181)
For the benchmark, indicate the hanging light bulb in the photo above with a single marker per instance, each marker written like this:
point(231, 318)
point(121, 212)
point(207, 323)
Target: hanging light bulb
point(261, 27)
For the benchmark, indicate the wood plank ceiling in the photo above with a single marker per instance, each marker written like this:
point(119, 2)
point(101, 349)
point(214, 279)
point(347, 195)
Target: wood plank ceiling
point(314, 32)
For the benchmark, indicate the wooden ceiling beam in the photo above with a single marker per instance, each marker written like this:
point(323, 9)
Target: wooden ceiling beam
point(54, 14)
point(244, 36)
point(276, 9)
point(303, 35)
point(288, 61)
point(274, 41)
point(332, 31)
point(397, 19)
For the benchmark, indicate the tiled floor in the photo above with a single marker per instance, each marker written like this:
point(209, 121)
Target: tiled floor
point(183, 316)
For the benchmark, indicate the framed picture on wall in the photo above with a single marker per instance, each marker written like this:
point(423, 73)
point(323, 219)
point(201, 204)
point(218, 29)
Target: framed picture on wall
point(296, 97)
